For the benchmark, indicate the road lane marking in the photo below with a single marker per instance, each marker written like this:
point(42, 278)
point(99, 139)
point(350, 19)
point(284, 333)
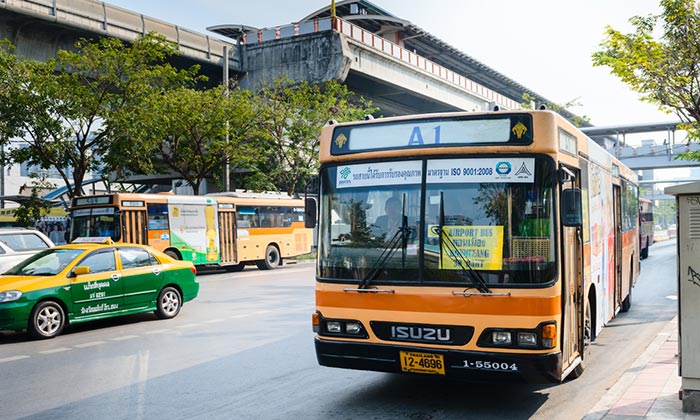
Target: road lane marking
point(13, 358)
point(90, 344)
point(159, 331)
point(56, 350)
point(264, 311)
point(124, 337)
point(239, 316)
point(214, 321)
point(187, 326)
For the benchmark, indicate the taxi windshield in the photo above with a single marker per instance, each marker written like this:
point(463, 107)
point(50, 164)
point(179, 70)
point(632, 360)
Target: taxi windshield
point(46, 263)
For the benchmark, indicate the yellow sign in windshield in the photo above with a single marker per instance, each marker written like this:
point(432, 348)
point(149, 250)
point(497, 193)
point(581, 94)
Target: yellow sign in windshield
point(482, 246)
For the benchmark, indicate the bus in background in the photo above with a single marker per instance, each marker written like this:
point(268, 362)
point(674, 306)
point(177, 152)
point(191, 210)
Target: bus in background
point(230, 229)
point(514, 241)
point(646, 226)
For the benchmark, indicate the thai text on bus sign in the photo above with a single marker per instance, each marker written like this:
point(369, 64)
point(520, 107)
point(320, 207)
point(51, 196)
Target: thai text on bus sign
point(439, 171)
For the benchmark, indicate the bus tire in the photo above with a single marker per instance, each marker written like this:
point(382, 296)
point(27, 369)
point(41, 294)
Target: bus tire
point(172, 254)
point(644, 253)
point(272, 259)
point(169, 303)
point(627, 303)
point(234, 268)
point(47, 320)
point(587, 338)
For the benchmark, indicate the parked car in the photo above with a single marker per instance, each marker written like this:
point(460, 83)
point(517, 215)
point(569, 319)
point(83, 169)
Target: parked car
point(18, 244)
point(85, 281)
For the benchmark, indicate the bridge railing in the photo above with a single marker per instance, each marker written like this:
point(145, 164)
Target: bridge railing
point(382, 45)
point(109, 20)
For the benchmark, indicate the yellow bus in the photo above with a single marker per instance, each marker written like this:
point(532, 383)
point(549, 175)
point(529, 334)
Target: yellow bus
point(230, 229)
point(516, 243)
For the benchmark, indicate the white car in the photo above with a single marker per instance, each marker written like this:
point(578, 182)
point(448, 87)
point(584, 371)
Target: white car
point(17, 244)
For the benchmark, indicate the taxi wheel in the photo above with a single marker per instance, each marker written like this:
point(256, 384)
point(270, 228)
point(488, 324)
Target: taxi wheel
point(46, 320)
point(169, 303)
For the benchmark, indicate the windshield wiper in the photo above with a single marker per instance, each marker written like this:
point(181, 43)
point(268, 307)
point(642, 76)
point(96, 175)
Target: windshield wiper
point(444, 240)
point(400, 239)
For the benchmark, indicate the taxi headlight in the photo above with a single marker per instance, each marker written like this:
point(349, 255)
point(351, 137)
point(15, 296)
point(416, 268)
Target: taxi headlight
point(10, 296)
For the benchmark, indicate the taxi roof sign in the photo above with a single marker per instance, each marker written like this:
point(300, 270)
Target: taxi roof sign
point(106, 240)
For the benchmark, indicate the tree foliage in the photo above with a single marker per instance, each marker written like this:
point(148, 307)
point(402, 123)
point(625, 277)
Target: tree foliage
point(193, 132)
point(69, 109)
point(290, 117)
point(661, 59)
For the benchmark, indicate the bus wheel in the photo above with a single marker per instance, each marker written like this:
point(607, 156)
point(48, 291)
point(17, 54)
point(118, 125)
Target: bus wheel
point(644, 253)
point(587, 337)
point(172, 254)
point(47, 320)
point(234, 268)
point(627, 303)
point(169, 303)
point(272, 259)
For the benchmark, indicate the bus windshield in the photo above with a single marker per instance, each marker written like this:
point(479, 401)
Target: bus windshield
point(95, 222)
point(494, 213)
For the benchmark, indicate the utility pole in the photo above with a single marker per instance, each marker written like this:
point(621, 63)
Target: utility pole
point(227, 169)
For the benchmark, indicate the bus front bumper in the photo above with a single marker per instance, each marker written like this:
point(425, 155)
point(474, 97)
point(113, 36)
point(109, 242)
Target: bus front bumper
point(468, 365)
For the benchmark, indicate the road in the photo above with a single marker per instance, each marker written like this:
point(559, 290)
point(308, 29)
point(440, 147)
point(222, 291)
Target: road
point(244, 350)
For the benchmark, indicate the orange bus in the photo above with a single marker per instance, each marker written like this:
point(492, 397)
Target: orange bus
point(646, 226)
point(230, 229)
point(516, 242)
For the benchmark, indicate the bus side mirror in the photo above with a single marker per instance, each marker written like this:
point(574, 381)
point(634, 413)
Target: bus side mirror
point(309, 212)
point(571, 214)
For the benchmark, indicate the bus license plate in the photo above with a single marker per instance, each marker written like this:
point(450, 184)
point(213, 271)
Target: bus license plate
point(422, 363)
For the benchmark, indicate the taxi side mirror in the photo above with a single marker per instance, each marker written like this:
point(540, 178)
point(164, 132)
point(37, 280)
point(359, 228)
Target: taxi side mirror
point(81, 270)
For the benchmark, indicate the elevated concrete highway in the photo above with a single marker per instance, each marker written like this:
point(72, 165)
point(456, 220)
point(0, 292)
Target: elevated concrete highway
point(394, 77)
point(39, 28)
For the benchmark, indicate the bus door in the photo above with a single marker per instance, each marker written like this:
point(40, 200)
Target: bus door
point(227, 234)
point(572, 281)
point(617, 254)
point(134, 227)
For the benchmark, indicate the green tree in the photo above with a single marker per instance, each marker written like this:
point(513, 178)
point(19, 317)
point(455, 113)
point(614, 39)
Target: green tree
point(660, 60)
point(290, 118)
point(185, 132)
point(71, 110)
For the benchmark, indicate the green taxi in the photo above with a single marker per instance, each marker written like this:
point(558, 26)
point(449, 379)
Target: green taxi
point(91, 279)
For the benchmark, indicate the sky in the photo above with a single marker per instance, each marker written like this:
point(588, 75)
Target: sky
point(545, 45)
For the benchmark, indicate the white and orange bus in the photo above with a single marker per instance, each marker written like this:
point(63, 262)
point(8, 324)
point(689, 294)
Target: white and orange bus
point(230, 230)
point(516, 242)
point(646, 226)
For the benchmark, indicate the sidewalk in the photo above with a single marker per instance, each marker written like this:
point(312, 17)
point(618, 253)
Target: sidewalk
point(649, 388)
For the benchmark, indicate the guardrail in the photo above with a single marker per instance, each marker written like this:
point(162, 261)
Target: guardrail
point(384, 46)
point(109, 20)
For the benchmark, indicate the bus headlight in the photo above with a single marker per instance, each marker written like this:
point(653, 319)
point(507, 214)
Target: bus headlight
point(501, 338)
point(544, 336)
point(527, 339)
point(353, 328)
point(348, 328)
point(334, 327)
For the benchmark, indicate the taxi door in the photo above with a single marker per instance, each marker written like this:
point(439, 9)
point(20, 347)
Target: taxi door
point(141, 276)
point(100, 291)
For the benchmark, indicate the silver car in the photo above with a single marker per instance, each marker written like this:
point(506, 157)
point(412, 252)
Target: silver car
point(17, 244)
